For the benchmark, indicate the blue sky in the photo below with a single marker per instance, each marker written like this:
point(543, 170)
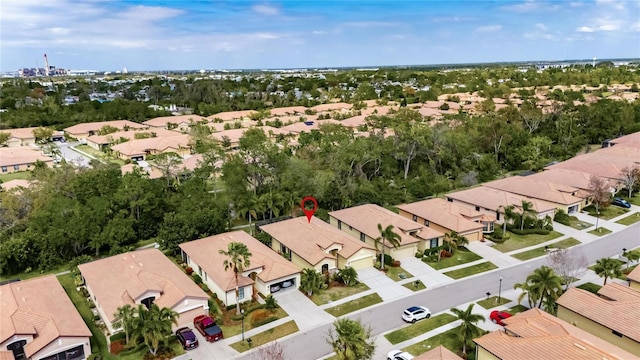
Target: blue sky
point(228, 34)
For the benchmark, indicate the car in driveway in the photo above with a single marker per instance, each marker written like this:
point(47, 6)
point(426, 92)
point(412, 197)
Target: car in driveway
point(399, 355)
point(416, 313)
point(187, 338)
point(208, 328)
point(620, 202)
point(497, 316)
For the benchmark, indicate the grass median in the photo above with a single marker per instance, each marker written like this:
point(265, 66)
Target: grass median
point(600, 231)
point(516, 241)
point(631, 219)
point(540, 251)
point(419, 328)
point(264, 337)
point(353, 305)
point(471, 270)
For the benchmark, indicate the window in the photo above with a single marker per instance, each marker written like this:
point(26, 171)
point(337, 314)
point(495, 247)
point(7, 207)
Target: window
point(148, 301)
point(200, 271)
point(4, 169)
point(477, 208)
point(18, 349)
point(449, 199)
point(325, 268)
point(498, 215)
point(240, 293)
point(362, 237)
point(433, 243)
point(283, 249)
point(415, 217)
point(339, 225)
point(426, 223)
point(16, 167)
point(616, 333)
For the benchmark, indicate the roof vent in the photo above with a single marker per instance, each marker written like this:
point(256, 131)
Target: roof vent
point(579, 346)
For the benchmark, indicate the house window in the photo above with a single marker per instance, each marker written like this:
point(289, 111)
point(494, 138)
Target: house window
point(433, 243)
point(4, 169)
point(205, 277)
point(616, 333)
point(477, 208)
point(18, 349)
point(200, 271)
point(498, 215)
point(148, 301)
point(426, 223)
point(339, 225)
point(415, 217)
point(240, 293)
point(449, 199)
point(325, 268)
point(362, 237)
point(283, 249)
point(16, 167)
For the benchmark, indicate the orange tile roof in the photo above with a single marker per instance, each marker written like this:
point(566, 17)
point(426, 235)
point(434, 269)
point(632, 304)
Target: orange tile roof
point(95, 126)
point(38, 307)
point(231, 115)
point(536, 332)
point(6, 355)
point(607, 162)
point(438, 353)
point(21, 155)
point(132, 274)
point(269, 264)
point(131, 135)
point(566, 177)
point(163, 121)
point(15, 183)
point(445, 214)
point(159, 144)
point(365, 218)
point(290, 110)
point(22, 133)
point(634, 275)
point(493, 199)
point(618, 307)
point(309, 240)
point(302, 127)
point(543, 190)
point(332, 107)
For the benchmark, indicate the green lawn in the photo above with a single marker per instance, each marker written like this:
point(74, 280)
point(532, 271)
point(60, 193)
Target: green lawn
point(398, 273)
point(449, 339)
point(337, 293)
point(353, 305)
point(631, 219)
point(266, 336)
point(577, 224)
point(461, 256)
point(635, 199)
point(22, 175)
point(99, 154)
point(235, 329)
point(419, 328)
point(35, 273)
point(415, 285)
point(517, 309)
point(600, 231)
point(492, 302)
point(606, 213)
point(591, 287)
point(516, 241)
point(530, 254)
point(471, 270)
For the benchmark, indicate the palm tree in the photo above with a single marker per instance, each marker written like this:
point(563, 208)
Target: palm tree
point(545, 284)
point(310, 280)
point(272, 202)
point(531, 297)
point(607, 268)
point(238, 257)
point(154, 326)
point(248, 204)
point(455, 241)
point(352, 341)
point(348, 275)
point(632, 256)
point(527, 209)
point(389, 235)
point(468, 328)
point(124, 318)
point(508, 215)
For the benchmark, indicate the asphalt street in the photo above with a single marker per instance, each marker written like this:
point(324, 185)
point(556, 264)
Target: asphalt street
point(71, 156)
point(311, 344)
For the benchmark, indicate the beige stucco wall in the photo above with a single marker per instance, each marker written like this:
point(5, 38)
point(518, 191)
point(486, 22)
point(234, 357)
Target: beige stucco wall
point(14, 338)
point(471, 235)
point(483, 354)
point(22, 167)
point(64, 343)
point(15, 142)
point(228, 298)
point(598, 330)
point(94, 145)
point(634, 285)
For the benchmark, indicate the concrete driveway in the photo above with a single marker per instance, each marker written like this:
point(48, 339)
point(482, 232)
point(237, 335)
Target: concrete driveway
point(72, 156)
point(379, 282)
point(305, 313)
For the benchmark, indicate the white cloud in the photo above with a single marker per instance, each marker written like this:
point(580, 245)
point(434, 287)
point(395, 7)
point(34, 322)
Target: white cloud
point(617, 4)
point(585, 29)
point(541, 27)
point(636, 26)
point(318, 32)
point(489, 28)
point(528, 5)
point(266, 10)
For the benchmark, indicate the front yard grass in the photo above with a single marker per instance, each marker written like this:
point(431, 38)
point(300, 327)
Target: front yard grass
point(471, 270)
point(460, 256)
point(516, 241)
point(534, 253)
point(600, 231)
point(492, 302)
point(577, 224)
point(267, 336)
point(449, 339)
point(336, 293)
point(236, 327)
point(590, 287)
point(397, 273)
point(353, 305)
point(415, 285)
point(419, 328)
point(606, 213)
point(21, 175)
point(517, 309)
point(103, 157)
point(635, 199)
point(631, 219)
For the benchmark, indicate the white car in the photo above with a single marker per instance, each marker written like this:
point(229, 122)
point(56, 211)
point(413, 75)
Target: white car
point(416, 313)
point(399, 355)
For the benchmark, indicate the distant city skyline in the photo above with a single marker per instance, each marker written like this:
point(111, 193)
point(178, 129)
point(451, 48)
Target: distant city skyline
point(224, 34)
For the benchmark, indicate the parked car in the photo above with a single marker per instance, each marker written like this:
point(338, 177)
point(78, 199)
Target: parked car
point(187, 338)
point(286, 284)
point(208, 328)
point(399, 355)
point(416, 313)
point(620, 202)
point(497, 316)
point(274, 288)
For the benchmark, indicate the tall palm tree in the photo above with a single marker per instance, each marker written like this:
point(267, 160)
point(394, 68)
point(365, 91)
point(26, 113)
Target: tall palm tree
point(607, 268)
point(531, 297)
point(250, 205)
point(632, 256)
point(351, 341)
point(455, 241)
point(310, 280)
point(154, 326)
point(545, 284)
point(527, 209)
point(386, 234)
point(238, 258)
point(272, 202)
point(468, 328)
point(348, 275)
point(509, 214)
point(124, 318)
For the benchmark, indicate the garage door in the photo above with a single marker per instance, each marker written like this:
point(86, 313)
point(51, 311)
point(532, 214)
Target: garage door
point(362, 263)
point(186, 318)
point(403, 252)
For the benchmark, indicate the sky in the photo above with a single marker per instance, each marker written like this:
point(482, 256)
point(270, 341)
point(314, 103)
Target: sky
point(242, 34)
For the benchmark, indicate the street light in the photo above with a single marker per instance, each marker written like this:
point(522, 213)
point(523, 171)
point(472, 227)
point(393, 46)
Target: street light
point(242, 312)
point(500, 290)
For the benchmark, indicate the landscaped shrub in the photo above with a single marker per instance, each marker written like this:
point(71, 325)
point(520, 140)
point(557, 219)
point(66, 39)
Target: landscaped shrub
point(197, 279)
point(265, 321)
point(204, 287)
point(118, 336)
point(387, 259)
point(530, 231)
point(562, 217)
point(84, 292)
point(116, 347)
point(96, 317)
point(430, 251)
point(188, 270)
point(418, 254)
point(445, 254)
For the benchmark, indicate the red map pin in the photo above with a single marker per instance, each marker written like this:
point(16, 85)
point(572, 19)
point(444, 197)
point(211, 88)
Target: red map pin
point(309, 213)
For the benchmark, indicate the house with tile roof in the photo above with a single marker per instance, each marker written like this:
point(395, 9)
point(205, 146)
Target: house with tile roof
point(445, 217)
point(535, 334)
point(180, 123)
point(634, 278)
point(39, 321)
point(267, 272)
point(20, 137)
point(288, 111)
point(438, 353)
point(139, 149)
point(21, 158)
point(612, 315)
point(102, 142)
point(142, 277)
point(231, 115)
point(317, 245)
point(362, 222)
point(84, 130)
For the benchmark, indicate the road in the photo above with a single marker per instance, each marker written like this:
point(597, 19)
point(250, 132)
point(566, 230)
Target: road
point(381, 318)
point(71, 156)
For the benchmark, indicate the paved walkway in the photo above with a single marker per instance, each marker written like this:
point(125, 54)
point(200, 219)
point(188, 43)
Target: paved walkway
point(302, 310)
point(425, 273)
point(497, 257)
point(383, 285)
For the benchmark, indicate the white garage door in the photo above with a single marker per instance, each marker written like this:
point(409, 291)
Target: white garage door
point(361, 263)
point(403, 252)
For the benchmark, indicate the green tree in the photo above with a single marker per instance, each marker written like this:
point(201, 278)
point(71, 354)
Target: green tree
point(509, 215)
point(237, 259)
point(468, 328)
point(4, 137)
point(154, 326)
point(250, 206)
point(168, 164)
point(42, 134)
point(607, 268)
point(272, 202)
point(526, 208)
point(386, 234)
point(600, 195)
point(270, 303)
point(351, 341)
point(310, 281)
point(348, 275)
point(545, 284)
point(532, 297)
point(454, 241)
point(124, 318)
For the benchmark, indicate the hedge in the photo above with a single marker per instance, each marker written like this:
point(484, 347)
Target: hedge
point(529, 231)
point(265, 321)
point(118, 336)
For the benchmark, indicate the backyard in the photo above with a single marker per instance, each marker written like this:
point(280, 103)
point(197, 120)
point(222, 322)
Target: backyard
point(21, 175)
point(516, 241)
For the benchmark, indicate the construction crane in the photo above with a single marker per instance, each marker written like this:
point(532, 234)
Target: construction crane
point(46, 66)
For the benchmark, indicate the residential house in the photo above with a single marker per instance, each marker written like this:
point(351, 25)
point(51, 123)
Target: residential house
point(287, 111)
point(39, 321)
point(612, 315)
point(535, 334)
point(571, 178)
point(362, 222)
point(20, 137)
point(307, 126)
point(267, 273)
point(102, 142)
point(84, 130)
point(22, 158)
point(231, 115)
point(150, 171)
point(142, 277)
point(317, 245)
point(139, 149)
point(180, 123)
point(445, 217)
point(15, 184)
point(332, 107)
point(634, 278)
point(438, 353)
point(492, 202)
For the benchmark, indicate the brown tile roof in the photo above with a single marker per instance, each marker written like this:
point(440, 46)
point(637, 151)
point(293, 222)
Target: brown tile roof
point(626, 139)
point(438, 353)
point(95, 126)
point(6, 355)
point(290, 110)
point(354, 122)
point(310, 240)
point(21, 155)
point(536, 332)
point(365, 218)
point(302, 127)
point(22, 133)
point(205, 253)
point(134, 273)
point(607, 162)
point(159, 144)
point(131, 135)
point(543, 190)
point(163, 121)
point(617, 307)
point(634, 275)
point(493, 199)
point(231, 115)
point(15, 183)
point(377, 110)
point(577, 179)
point(332, 107)
point(445, 214)
point(38, 307)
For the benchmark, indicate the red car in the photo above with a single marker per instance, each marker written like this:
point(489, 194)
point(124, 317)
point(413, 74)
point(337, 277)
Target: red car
point(497, 316)
point(208, 328)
